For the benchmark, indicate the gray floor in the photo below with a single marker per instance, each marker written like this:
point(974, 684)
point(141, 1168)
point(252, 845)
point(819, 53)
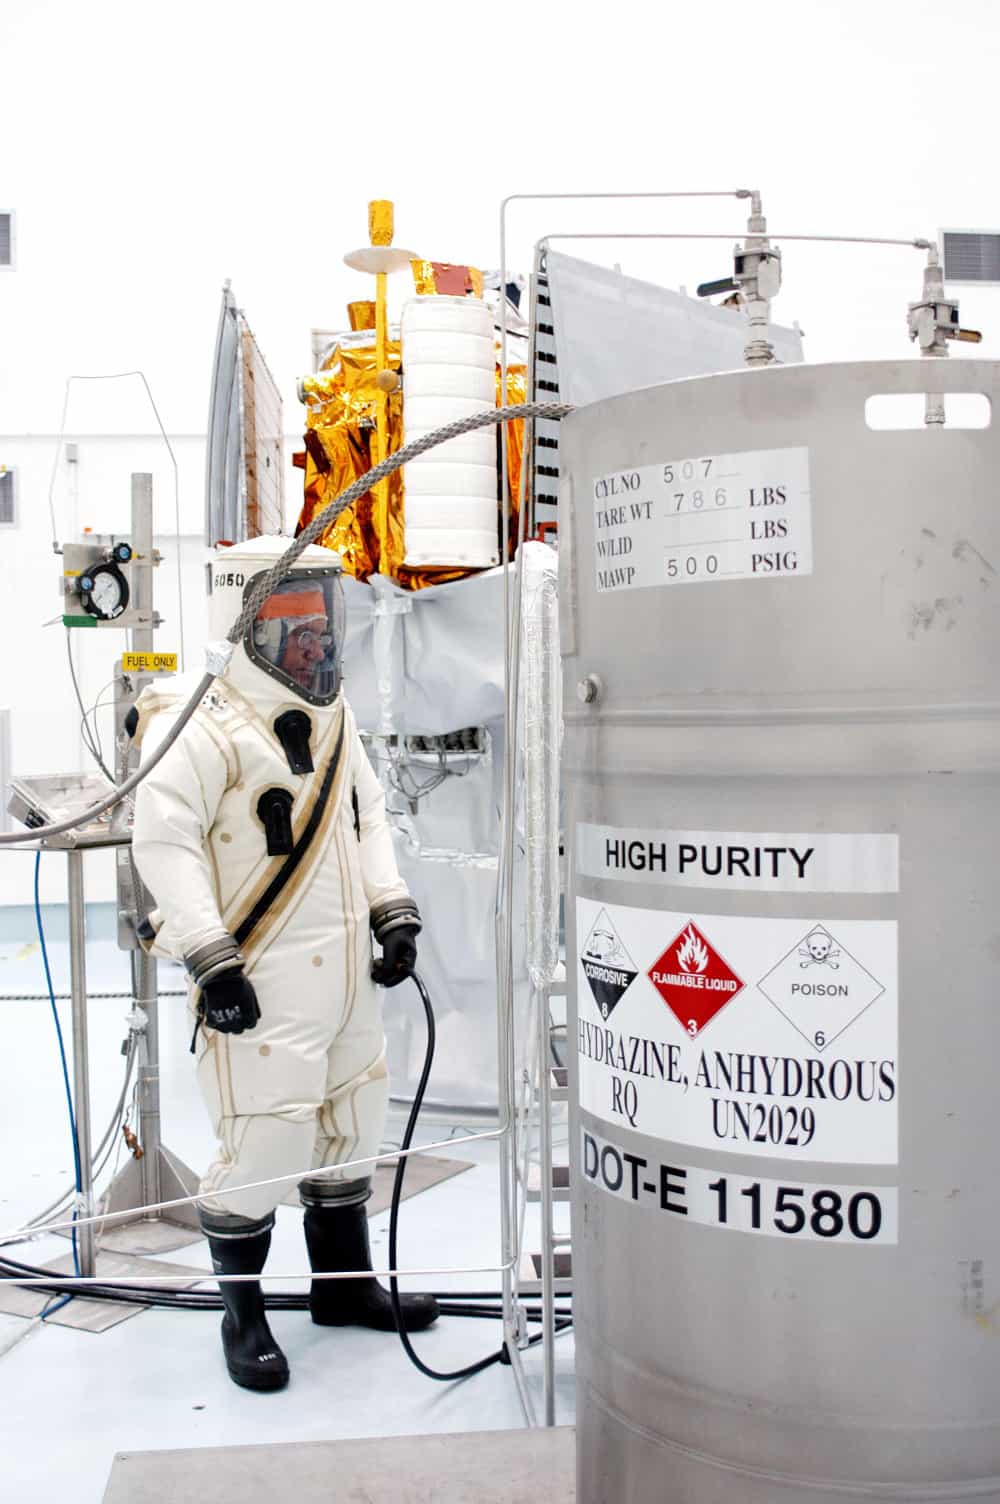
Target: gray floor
point(156, 1382)
point(478, 1467)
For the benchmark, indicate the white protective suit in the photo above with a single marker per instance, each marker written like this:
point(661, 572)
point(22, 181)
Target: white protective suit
point(308, 1085)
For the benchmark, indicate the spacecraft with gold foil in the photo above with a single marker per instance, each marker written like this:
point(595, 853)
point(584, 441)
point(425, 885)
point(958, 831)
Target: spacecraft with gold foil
point(424, 666)
point(377, 387)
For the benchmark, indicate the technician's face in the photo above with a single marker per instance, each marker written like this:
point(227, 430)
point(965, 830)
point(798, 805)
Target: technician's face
point(304, 652)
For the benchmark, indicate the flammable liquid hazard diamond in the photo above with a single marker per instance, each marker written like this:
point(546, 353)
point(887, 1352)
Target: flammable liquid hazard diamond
point(607, 965)
point(820, 987)
point(694, 980)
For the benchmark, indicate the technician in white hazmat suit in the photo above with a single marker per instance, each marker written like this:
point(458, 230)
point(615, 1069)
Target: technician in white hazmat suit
point(263, 839)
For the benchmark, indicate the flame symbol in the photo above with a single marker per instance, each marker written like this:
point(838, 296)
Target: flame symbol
point(693, 955)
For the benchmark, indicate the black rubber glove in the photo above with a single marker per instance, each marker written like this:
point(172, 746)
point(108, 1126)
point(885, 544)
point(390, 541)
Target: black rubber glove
point(399, 955)
point(229, 1004)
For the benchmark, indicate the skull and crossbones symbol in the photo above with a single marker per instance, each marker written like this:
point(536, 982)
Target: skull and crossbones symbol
point(819, 950)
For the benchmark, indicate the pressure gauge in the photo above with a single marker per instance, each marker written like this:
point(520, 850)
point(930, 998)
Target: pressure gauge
point(104, 591)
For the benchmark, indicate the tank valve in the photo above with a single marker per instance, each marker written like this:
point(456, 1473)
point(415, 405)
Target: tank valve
point(589, 690)
point(934, 320)
point(932, 323)
point(756, 280)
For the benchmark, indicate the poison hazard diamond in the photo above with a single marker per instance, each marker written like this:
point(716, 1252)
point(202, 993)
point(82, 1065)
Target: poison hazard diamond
point(820, 987)
point(694, 980)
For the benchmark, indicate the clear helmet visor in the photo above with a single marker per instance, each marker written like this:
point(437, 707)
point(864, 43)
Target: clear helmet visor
point(297, 635)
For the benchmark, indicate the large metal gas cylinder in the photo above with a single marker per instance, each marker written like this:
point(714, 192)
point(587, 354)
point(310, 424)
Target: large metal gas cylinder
point(781, 633)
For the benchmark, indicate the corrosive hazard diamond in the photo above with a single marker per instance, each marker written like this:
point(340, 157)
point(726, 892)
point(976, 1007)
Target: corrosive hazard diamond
point(607, 965)
point(693, 979)
point(820, 987)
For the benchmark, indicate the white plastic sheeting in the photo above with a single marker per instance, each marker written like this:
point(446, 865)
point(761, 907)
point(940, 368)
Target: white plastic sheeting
point(440, 667)
point(449, 372)
point(542, 743)
point(428, 663)
point(614, 333)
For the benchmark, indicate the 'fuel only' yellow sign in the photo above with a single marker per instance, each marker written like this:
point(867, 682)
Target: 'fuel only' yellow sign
point(149, 663)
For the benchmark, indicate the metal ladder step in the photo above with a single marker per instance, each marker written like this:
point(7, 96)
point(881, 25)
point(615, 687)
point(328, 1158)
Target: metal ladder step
point(558, 1084)
point(530, 1270)
point(560, 1182)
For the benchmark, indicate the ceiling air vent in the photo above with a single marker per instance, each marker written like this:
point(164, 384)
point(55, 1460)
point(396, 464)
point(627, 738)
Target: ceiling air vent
point(971, 256)
point(6, 238)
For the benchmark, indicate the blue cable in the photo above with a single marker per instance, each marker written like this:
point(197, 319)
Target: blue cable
point(50, 1309)
point(62, 1055)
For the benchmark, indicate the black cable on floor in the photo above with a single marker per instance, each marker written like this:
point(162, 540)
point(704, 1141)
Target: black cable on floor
point(451, 1304)
point(501, 1355)
point(466, 1303)
point(476, 1304)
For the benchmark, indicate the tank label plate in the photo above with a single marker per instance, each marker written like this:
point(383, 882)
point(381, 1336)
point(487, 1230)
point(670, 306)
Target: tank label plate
point(759, 1036)
point(703, 520)
point(756, 862)
point(808, 1211)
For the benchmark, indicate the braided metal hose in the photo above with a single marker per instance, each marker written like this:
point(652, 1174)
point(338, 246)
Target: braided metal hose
point(65, 997)
point(365, 483)
point(273, 578)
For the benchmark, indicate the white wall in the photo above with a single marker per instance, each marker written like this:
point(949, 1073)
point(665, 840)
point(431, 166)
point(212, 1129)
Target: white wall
point(151, 151)
point(94, 492)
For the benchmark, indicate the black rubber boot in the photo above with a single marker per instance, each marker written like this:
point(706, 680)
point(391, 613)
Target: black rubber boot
point(253, 1358)
point(337, 1238)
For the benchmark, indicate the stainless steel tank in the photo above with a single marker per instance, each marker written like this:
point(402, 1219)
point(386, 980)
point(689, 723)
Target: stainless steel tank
point(781, 633)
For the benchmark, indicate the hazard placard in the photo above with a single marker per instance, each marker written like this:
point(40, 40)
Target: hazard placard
point(820, 987)
point(607, 965)
point(752, 1035)
point(693, 979)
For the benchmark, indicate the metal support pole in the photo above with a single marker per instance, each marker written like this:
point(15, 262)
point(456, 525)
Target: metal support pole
point(527, 487)
point(148, 1084)
point(506, 1093)
point(148, 1070)
point(934, 409)
point(507, 1145)
point(142, 560)
point(541, 731)
point(540, 1002)
point(156, 1176)
point(81, 1064)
